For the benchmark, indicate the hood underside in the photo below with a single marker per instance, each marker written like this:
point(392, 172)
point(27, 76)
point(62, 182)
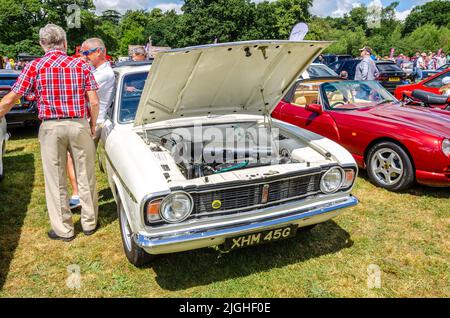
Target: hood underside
point(241, 77)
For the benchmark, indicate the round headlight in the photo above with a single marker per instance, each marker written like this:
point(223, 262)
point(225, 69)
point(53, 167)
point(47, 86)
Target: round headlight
point(446, 147)
point(332, 180)
point(176, 207)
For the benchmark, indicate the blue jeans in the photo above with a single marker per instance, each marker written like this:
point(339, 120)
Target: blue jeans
point(419, 74)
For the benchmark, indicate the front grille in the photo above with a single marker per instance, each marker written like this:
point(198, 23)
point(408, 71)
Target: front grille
point(248, 197)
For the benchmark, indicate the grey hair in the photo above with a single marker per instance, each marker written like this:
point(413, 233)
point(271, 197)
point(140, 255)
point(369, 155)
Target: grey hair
point(52, 36)
point(139, 50)
point(94, 42)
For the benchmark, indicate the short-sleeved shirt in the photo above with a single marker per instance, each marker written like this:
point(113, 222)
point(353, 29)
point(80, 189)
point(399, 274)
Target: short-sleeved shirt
point(104, 76)
point(60, 83)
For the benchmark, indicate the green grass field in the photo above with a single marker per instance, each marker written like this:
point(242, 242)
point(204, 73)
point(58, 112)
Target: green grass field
point(405, 234)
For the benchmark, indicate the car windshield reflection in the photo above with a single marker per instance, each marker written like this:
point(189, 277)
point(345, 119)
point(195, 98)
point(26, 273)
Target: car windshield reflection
point(131, 91)
point(355, 94)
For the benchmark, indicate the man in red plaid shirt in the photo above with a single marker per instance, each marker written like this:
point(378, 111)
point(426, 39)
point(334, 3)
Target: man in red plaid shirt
point(66, 94)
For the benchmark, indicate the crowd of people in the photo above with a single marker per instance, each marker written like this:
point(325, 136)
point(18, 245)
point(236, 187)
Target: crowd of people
point(10, 64)
point(421, 61)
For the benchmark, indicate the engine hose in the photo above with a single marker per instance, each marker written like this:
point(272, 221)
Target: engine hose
point(238, 166)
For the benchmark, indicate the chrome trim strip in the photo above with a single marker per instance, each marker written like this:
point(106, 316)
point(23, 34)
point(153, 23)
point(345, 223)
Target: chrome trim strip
point(147, 241)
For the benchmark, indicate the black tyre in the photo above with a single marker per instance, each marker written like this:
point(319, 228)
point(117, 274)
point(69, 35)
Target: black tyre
point(390, 167)
point(135, 254)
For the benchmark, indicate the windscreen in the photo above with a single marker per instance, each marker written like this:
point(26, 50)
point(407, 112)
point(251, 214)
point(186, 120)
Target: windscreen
point(348, 95)
point(131, 91)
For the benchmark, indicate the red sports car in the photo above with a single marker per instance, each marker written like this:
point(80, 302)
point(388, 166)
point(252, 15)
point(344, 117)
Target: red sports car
point(431, 84)
point(397, 144)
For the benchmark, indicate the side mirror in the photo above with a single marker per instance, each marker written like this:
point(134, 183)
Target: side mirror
point(316, 108)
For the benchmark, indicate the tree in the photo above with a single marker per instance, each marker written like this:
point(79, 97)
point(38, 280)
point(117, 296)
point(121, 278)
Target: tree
point(21, 20)
point(290, 12)
point(428, 38)
point(436, 12)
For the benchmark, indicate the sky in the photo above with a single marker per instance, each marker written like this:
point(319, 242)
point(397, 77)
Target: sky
point(323, 8)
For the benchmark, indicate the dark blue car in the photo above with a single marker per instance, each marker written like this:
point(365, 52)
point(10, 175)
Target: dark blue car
point(25, 112)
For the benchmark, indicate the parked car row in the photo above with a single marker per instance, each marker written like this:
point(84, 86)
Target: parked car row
point(390, 74)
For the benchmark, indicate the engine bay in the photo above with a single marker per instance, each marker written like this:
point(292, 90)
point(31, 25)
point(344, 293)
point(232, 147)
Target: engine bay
point(205, 151)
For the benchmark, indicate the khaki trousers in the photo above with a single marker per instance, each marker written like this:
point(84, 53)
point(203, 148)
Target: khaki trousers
point(57, 137)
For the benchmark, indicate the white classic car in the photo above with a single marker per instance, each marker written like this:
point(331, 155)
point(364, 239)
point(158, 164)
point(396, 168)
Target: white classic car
point(3, 138)
point(194, 160)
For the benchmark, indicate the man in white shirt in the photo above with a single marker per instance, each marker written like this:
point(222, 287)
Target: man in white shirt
point(94, 51)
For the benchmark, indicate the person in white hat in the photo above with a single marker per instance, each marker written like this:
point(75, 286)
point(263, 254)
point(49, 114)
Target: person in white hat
point(445, 89)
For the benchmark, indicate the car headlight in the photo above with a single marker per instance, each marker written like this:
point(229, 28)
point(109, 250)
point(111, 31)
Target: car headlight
point(176, 207)
point(446, 147)
point(332, 180)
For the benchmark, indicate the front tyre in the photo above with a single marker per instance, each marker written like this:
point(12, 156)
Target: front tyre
point(389, 167)
point(135, 254)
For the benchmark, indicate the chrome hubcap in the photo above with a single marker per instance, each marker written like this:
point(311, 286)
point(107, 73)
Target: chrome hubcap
point(125, 229)
point(387, 166)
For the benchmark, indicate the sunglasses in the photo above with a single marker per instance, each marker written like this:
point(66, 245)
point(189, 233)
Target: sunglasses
point(87, 52)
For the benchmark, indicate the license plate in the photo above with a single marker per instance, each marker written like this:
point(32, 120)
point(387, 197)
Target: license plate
point(394, 79)
point(260, 237)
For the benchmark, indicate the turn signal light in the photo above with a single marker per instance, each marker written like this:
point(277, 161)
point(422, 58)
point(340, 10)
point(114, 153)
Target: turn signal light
point(152, 210)
point(348, 179)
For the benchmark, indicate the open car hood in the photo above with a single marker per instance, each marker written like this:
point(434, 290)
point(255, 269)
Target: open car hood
point(240, 77)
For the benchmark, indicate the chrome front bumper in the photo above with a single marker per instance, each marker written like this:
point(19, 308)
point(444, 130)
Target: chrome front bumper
point(302, 216)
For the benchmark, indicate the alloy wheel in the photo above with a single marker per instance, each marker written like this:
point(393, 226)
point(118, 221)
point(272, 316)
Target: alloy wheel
point(387, 166)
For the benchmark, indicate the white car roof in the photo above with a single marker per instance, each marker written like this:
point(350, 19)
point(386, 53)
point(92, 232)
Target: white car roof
point(122, 70)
